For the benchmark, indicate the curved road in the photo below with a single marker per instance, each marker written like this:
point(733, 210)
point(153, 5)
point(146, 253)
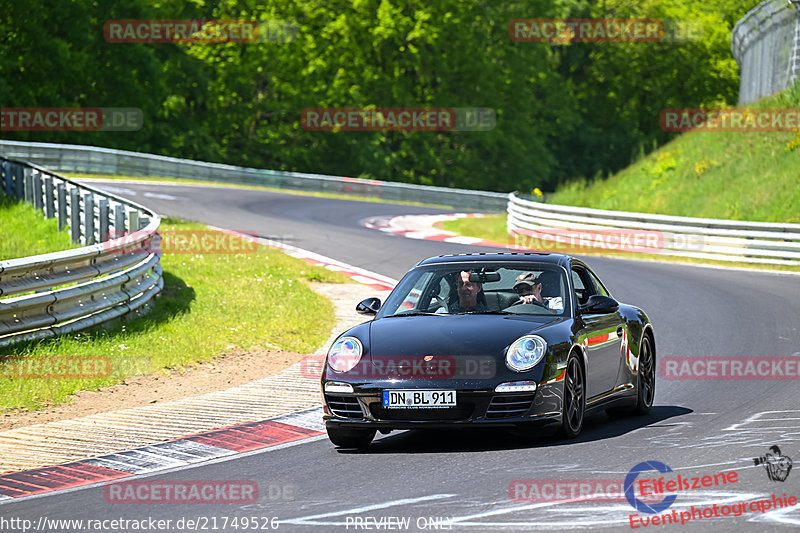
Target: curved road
point(467, 481)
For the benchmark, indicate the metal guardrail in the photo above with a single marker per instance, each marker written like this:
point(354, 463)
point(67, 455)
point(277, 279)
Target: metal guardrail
point(94, 160)
point(706, 238)
point(46, 295)
point(766, 45)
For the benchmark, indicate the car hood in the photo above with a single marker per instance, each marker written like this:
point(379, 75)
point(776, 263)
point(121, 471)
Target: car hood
point(455, 335)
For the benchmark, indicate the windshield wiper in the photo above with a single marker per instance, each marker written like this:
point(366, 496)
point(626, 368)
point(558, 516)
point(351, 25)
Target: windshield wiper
point(415, 313)
point(489, 312)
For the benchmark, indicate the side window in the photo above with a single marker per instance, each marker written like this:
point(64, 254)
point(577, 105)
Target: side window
point(584, 284)
point(581, 294)
point(598, 287)
point(443, 294)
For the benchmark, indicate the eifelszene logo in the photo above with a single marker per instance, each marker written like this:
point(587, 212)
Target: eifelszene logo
point(630, 495)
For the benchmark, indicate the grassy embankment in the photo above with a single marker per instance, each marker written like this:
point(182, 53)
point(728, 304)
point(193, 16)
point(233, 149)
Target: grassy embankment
point(212, 304)
point(739, 176)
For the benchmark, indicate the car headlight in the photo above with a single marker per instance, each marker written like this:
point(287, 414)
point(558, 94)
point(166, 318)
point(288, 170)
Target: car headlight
point(345, 354)
point(525, 352)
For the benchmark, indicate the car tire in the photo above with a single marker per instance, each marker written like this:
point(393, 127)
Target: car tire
point(645, 384)
point(350, 437)
point(646, 387)
point(574, 398)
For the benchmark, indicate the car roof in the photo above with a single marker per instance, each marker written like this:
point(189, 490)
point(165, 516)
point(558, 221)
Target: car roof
point(499, 257)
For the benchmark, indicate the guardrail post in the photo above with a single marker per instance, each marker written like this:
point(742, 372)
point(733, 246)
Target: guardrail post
point(133, 221)
point(49, 198)
point(88, 218)
point(19, 180)
point(37, 191)
point(104, 212)
point(5, 178)
point(119, 220)
point(28, 173)
point(75, 215)
point(62, 206)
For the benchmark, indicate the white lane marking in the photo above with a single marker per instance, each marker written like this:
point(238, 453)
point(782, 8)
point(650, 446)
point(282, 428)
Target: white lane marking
point(778, 515)
point(558, 515)
point(308, 520)
point(757, 430)
point(160, 196)
point(600, 520)
point(757, 417)
point(622, 473)
point(118, 190)
point(463, 240)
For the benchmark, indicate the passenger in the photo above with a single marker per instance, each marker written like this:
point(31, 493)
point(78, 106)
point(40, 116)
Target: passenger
point(469, 295)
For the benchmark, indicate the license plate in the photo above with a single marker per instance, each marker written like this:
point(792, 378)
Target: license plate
point(418, 399)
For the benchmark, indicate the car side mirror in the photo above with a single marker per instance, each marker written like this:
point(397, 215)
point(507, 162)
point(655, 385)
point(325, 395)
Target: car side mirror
point(370, 306)
point(599, 305)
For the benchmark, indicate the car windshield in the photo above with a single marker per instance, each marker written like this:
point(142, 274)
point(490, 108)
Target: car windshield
point(458, 289)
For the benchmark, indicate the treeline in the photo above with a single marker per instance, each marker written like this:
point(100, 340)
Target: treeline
point(564, 110)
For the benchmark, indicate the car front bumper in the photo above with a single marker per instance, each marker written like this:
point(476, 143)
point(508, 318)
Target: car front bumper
point(474, 406)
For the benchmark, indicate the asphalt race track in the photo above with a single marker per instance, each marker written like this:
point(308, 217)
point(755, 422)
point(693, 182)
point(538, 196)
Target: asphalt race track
point(465, 481)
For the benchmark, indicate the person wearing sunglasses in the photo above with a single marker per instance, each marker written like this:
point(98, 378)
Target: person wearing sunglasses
point(529, 289)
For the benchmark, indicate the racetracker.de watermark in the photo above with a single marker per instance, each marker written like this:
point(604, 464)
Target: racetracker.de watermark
point(71, 119)
point(180, 31)
point(183, 242)
point(418, 367)
point(198, 31)
point(56, 367)
point(398, 119)
point(593, 30)
point(617, 240)
point(729, 368)
point(182, 492)
point(566, 490)
point(563, 240)
point(729, 120)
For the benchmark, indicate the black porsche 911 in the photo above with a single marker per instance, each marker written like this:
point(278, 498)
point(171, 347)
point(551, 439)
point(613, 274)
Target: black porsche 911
point(507, 339)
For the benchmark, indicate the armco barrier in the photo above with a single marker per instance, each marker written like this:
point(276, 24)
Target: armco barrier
point(46, 295)
point(94, 160)
point(706, 238)
point(766, 45)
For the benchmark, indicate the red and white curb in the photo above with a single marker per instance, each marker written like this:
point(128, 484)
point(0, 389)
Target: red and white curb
point(277, 432)
point(422, 227)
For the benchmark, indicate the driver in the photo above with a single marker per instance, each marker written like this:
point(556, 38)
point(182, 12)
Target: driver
point(529, 288)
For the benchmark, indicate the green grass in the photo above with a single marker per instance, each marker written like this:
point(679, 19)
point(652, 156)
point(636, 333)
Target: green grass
point(24, 232)
point(212, 304)
point(162, 179)
point(738, 176)
point(490, 228)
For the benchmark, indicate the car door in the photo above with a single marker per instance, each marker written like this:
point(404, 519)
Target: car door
point(599, 335)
